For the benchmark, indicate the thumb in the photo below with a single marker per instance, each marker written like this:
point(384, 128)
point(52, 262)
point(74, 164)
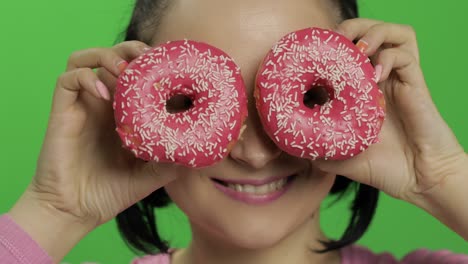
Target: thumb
point(356, 168)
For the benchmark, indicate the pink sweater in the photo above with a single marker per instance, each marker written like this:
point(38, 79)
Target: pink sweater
point(17, 247)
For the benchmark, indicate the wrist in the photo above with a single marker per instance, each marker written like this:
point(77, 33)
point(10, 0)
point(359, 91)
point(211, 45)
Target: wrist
point(447, 200)
point(55, 231)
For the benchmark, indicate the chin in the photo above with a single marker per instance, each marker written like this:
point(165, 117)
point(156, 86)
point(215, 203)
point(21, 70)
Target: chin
point(260, 233)
point(258, 241)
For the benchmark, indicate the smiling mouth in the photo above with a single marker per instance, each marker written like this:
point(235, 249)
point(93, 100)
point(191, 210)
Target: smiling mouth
point(258, 189)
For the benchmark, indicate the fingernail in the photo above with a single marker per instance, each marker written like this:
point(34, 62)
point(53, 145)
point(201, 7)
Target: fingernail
point(378, 72)
point(362, 45)
point(146, 49)
point(122, 65)
point(102, 90)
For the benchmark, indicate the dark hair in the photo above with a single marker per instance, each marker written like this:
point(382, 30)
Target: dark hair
point(137, 224)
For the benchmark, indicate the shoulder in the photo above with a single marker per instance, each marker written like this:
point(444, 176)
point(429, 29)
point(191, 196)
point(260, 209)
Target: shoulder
point(153, 259)
point(355, 254)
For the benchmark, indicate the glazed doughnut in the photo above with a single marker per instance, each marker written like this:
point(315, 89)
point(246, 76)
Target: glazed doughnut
point(321, 63)
point(198, 136)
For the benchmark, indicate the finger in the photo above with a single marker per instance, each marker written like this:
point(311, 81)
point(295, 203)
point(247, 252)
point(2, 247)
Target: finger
point(71, 83)
point(411, 97)
point(403, 63)
point(390, 35)
point(96, 58)
point(112, 59)
point(356, 27)
point(108, 79)
point(355, 168)
point(129, 50)
point(373, 34)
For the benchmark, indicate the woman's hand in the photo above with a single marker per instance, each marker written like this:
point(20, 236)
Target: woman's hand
point(83, 174)
point(82, 169)
point(417, 150)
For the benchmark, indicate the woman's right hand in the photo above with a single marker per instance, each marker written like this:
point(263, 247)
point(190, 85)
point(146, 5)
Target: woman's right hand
point(83, 172)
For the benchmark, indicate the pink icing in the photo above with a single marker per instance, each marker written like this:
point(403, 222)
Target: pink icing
point(347, 124)
point(197, 137)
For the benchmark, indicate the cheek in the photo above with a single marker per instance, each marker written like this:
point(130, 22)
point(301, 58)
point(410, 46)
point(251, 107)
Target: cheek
point(184, 187)
point(313, 191)
point(190, 193)
point(319, 185)
point(180, 190)
point(199, 203)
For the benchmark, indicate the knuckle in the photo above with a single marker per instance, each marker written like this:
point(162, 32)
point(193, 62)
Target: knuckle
point(411, 32)
point(62, 78)
point(136, 43)
point(101, 55)
point(374, 31)
point(95, 50)
point(409, 28)
point(82, 72)
point(133, 44)
point(379, 28)
point(346, 24)
point(105, 55)
point(83, 76)
point(68, 79)
point(73, 58)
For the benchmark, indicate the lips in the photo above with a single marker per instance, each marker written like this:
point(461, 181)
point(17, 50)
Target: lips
point(253, 191)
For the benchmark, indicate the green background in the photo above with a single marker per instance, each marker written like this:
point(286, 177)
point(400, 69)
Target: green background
point(38, 36)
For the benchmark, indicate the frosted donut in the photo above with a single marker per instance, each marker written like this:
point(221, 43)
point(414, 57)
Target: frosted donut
point(198, 136)
point(343, 125)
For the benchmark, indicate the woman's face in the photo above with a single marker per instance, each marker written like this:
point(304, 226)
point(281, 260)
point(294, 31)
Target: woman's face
point(246, 30)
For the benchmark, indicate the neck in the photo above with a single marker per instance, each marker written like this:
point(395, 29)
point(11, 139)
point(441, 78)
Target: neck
point(297, 247)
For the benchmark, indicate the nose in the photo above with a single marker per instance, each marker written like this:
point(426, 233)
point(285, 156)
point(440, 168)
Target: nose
point(254, 149)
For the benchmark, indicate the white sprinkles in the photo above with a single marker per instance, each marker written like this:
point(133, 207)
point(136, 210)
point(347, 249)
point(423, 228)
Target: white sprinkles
point(342, 127)
point(197, 137)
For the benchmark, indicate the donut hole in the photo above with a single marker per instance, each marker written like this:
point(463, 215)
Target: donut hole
point(317, 95)
point(179, 103)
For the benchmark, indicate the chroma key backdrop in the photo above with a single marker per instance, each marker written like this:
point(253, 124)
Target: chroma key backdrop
point(38, 36)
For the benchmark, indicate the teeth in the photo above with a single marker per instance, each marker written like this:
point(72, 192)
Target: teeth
point(280, 183)
point(262, 189)
point(248, 188)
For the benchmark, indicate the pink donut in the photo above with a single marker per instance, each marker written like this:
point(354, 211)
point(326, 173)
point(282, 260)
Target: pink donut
point(198, 136)
point(350, 117)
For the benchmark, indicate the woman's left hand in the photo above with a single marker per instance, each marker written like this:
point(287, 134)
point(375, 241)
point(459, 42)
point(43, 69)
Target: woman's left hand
point(417, 150)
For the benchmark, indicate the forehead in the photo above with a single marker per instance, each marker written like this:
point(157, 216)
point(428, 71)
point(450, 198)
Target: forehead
point(245, 29)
